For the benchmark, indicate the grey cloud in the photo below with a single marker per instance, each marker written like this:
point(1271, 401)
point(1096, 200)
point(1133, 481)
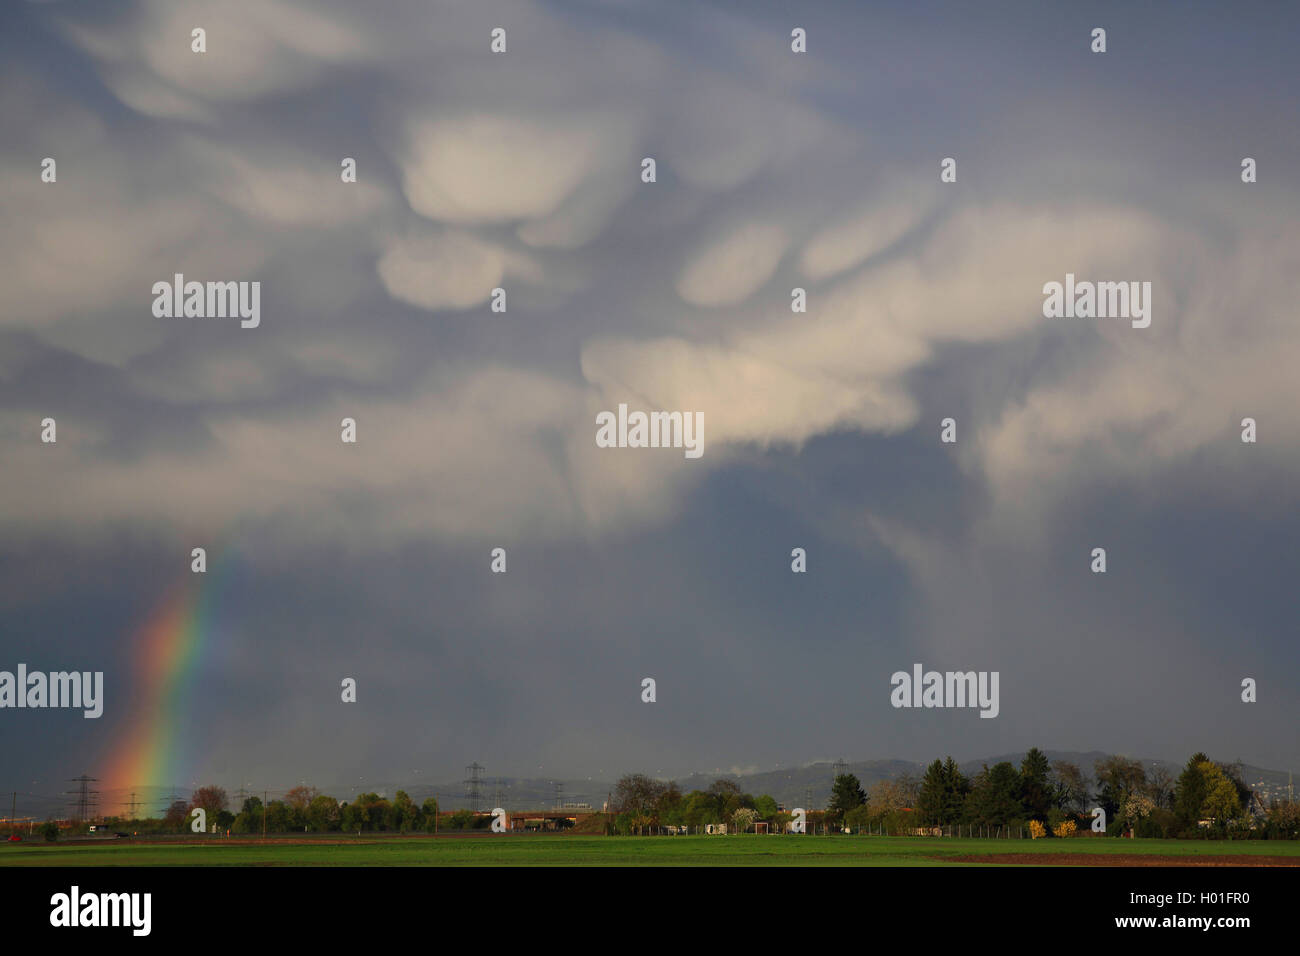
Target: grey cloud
point(477, 428)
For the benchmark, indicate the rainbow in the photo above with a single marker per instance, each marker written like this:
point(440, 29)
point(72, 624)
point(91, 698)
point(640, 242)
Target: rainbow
point(166, 653)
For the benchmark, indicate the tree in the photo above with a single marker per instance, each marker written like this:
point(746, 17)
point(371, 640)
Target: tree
point(994, 799)
point(211, 800)
point(1222, 802)
point(715, 805)
point(1189, 792)
point(907, 789)
point(323, 813)
point(1233, 772)
point(1160, 787)
point(932, 801)
point(1118, 778)
point(639, 800)
point(637, 792)
point(1069, 787)
point(858, 818)
point(462, 819)
point(887, 796)
point(846, 794)
point(174, 818)
point(724, 788)
point(300, 797)
point(249, 818)
point(941, 796)
point(429, 813)
point(400, 815)
point(1137, 806)
point(1283, 820)
point(348, 817)
point(1035, 784)
point(959, 787)
point(668, 807)
point(279, 817)
point(698, 808)
point(371, 812)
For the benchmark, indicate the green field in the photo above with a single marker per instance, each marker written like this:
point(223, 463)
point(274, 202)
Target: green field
point(561, 850)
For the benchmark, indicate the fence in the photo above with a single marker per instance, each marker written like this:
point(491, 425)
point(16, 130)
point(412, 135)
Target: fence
point(966, 830)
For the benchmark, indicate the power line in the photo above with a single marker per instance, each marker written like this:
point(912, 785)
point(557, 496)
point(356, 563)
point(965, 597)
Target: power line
point(85, 797)
point(242, 795)
point(171, 801)
point(472, 785)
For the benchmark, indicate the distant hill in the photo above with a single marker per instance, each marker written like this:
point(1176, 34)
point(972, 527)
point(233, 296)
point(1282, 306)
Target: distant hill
point(808, 785)
point(792, 786)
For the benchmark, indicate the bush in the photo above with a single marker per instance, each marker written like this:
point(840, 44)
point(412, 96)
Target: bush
point(1065, 828)
point(50, 831)
point(1036, 830)
point(1283, 821)
point(462, 819)
point(858, 819)
point(1160, 824)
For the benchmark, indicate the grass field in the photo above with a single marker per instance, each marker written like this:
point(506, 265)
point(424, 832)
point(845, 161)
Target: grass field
point(564, 850)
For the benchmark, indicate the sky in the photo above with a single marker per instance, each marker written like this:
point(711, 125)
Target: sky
point(476, 429)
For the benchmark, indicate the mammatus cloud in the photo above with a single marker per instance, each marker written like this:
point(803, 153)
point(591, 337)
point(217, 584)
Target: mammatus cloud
point(845, 365)
point(521, 172)
point(442, 271)
point(844, 244)
point(730, 270)
point(257, 49)
point(488, 169)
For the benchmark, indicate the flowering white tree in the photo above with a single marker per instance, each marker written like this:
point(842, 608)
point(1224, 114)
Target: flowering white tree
point(1135, 808)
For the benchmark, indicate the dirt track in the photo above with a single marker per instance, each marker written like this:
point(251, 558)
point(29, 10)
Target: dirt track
point(1124, 859)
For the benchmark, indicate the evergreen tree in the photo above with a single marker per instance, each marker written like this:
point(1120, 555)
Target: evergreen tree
point(1035, 784)
point(957, 789)
point(846, 794)
point(932, 804)
point(994, 799)
point(1189, 792)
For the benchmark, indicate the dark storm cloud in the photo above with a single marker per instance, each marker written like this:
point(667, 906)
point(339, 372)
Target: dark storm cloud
point(476, 429)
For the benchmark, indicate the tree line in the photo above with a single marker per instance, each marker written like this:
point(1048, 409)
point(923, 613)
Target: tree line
point(641, 805)
point(1039, 797)
point(306, 809)
point(1208, 798)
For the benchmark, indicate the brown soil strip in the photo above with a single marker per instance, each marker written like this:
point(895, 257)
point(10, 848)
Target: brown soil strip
point(1124, 859)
